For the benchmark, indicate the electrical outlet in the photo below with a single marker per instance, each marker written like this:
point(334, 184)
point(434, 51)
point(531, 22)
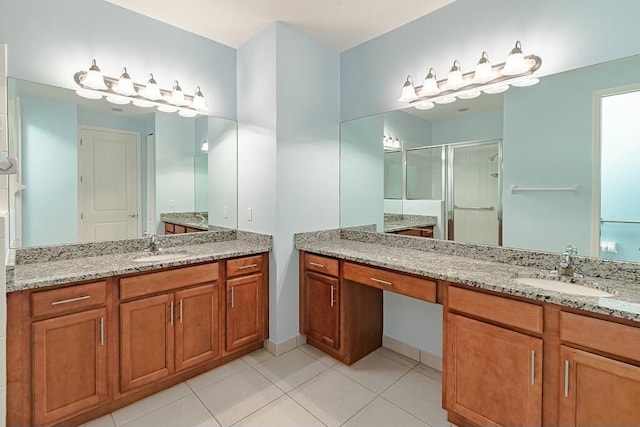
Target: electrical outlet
point(225, 211)
point(249, 214)
point(172, 203)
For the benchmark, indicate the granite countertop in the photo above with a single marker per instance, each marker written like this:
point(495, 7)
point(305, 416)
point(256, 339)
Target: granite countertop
point(42, 274)
point(490, 275)
point(393, 223)
point(187, 219)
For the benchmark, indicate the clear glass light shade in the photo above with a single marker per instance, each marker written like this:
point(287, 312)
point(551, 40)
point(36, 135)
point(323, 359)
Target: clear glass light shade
point(496, 89)
point(516, 62)
point(430, 86)
point(396, 144)
point(470, 95)
point(527, 82)
point(143, 103)
point(119, 100)
point(455, 79)
point(424, 105)
point(408, 91)
point(88, 93)
point(445, 100)
point(198, 100)
point(125, 85)
point(167, 108)
point(484, 72)
point(177, 96)
point(205, 145)
point(94, 78)
point(187, 113)
point(152, 90)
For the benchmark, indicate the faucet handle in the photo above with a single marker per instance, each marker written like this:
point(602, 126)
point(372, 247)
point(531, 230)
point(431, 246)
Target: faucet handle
point(571, 250)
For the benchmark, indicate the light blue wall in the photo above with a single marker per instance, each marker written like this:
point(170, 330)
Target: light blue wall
point(411, 130)
point(222, 181)
point(548, 142)
point(174, 164)
point(200, 165)
point(473, 127)
point(362, 172)
point(48, 41)
point(566, 34)
point(50, 162)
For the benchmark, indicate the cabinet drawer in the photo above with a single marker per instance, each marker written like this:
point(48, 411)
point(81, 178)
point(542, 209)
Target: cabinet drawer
point(321, 264)
point(168, 228)
point(391, 281)
point(65, 300)
point(610, 337)
point(152, 283)
point(502, 310)
point(179, 229)
point(242, 266)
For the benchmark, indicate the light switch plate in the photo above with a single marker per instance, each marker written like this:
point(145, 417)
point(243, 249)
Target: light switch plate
point(249, 214)
point(225, 211)
point(172, 203)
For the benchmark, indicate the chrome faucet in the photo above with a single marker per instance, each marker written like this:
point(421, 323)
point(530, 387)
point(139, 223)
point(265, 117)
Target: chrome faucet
point(153, 246)
point(565, 268)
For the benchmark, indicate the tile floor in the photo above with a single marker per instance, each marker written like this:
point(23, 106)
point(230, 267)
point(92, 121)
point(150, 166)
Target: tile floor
point(303, 387)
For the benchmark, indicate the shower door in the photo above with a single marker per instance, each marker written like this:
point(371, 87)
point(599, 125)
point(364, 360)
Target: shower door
point(474, 202)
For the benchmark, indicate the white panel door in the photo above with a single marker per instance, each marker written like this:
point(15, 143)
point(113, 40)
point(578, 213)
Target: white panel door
point(109, 176)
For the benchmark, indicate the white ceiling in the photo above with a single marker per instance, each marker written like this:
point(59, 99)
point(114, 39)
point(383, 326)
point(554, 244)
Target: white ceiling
point(341, 24)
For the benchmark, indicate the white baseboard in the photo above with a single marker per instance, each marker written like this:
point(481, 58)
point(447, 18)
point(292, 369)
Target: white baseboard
point(431, 360)
point(280, 348)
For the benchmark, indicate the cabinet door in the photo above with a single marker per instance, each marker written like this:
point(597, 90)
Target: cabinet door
point(597, 391)
point(197, 325)
point(321, 314)
point(493, 375)
point(146, 340)
point(244, 311)
point(69, 365)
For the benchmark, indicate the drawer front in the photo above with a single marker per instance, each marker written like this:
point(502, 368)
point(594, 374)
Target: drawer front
point(246, 265)
point(427, 232)
point(169, 228)
point(179, 229)
point(410, 232)
point(610, 337)
point(391, 281)
point(502, 310)
point(65, 300)
point(152, 283)
point(321, 264)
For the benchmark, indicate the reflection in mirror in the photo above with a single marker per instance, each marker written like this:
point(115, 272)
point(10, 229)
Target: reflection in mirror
point(91, 170)
point(548, 133)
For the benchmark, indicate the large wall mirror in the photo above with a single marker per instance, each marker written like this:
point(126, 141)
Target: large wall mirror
point(536, 168)
point(91, 170)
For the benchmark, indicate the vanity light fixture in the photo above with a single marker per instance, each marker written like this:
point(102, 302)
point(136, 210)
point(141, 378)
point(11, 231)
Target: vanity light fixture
point(390, 143)
point(94, 85)
point(517, 70)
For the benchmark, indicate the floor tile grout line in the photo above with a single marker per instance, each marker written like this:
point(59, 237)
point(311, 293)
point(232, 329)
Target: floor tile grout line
point(154, 410)
point(416, 362)
point(207, 408)
point(429, 376)
point(404, 410)
point(305, 409)
point(360, 410)
point(373, 391)
point(253, 412)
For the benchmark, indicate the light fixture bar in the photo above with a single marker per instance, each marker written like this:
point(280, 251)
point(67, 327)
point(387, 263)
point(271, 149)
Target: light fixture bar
point(112, 90)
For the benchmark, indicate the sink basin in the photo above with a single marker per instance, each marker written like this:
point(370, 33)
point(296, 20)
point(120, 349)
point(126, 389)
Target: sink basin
point(161, 257)
point(564, 287)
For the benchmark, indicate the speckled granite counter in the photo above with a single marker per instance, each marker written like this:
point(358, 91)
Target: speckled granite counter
point(401, 222)
point(472, 269)
point(197, 220)
point(31, 268)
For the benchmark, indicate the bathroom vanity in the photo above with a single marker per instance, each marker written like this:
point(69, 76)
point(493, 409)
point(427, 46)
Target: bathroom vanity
point(513, 354)
point(88, 335)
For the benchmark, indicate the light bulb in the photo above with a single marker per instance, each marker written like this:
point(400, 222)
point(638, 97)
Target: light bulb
point(177, 97)
point(198, 100)
point(516, 62)
point(484, 70)
point(152, 90)
point(88, 93)
point(125, 84)
point(187, 113)
point(143, 103)
point(424, 105)
point(455, 79)
point(492, 90)
point(94, 78)
point(167, 108)
point(430, 85)
point(117, 99)
point(408, 91)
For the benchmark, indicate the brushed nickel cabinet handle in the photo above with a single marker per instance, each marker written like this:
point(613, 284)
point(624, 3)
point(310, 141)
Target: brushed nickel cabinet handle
point(232, 297)
point(102, 331)
point(180, 310)
point(533, 367)
point(332, 294)
point(566, 378)
point(315, 264)
point(67, 301)
point(384, 282)
point(171, 316)
point(244, 267)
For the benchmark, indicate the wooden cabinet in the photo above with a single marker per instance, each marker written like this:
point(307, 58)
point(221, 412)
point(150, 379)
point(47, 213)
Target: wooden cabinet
point(69, 365)
point(598, 391)
point(321, 314)
point(493, 375)
point(417, 232)
point(244, 311)
point(146, 341)
point(171, 228)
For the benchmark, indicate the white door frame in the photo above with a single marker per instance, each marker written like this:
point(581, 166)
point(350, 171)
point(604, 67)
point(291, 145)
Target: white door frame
point(596, 160)
point(138, 171)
